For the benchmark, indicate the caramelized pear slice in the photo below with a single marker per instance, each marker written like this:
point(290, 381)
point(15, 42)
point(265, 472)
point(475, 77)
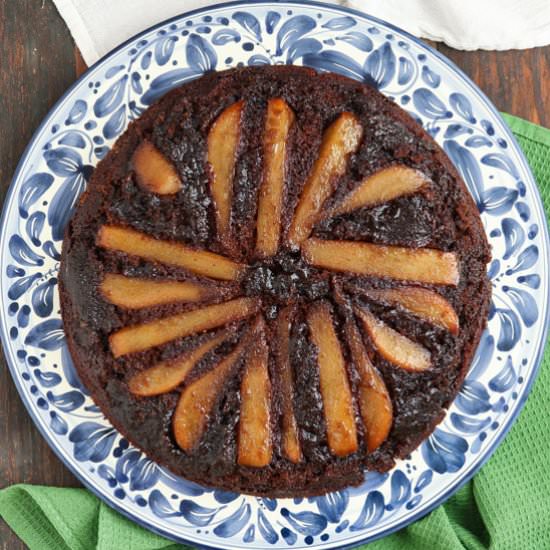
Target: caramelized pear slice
point(425, 303)
point(134, 293)
point(385, 185)
point(340, 140)
point(393, 346)
point(335, 389)
point(425, 265)
point(255, 446)
point(290, 440)
point(167, 375)
point(147, 335)
point(223, 142)
point(196, 401)
point(135, 243)
point(278, 122)
point(374, 400)
point(154, 171)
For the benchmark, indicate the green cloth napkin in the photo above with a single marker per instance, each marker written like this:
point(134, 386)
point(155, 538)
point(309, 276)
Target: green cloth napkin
point(506, 505)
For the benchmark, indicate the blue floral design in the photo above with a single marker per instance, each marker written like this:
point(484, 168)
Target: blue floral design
point(235, 522)
point(444, 451)
point(333, 505)
point(32, 190)
point(196, 514)
point(47, 335)
point(92, 441)
point(305, 523)
point(140, 472)
point(371, 512)
point(67, 163)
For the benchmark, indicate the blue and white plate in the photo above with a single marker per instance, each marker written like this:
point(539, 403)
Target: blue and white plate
point(78, 133)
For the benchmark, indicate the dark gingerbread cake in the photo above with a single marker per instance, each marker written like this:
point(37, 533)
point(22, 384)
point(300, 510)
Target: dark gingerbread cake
point(275, 281)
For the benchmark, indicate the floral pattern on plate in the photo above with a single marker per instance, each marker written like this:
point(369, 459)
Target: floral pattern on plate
point(79, 132)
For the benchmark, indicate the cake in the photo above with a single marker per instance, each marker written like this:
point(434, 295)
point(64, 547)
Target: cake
point(274, 282)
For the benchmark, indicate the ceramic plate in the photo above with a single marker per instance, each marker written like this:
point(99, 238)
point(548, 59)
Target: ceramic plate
point(78, 133)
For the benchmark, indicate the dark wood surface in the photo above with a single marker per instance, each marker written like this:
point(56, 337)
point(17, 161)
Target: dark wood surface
point(38, 62)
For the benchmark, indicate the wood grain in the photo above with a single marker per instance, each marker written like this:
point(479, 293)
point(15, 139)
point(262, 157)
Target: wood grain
point(39, 62)
point(37, 65)
point(516, 81)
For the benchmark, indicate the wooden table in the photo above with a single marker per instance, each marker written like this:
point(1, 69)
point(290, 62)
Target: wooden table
point(39, 62)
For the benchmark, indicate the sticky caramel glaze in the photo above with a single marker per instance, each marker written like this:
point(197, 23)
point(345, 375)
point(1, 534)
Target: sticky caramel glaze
point(444, 219)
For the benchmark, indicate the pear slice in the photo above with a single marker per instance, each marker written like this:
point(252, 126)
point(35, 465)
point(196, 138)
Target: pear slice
point(255, 447)
point(374, 399)
point(135, 243)
point(340, 140)
point(393, 346)
point(168, 375)
point(154, 333)
point(335, 389)
point(425, 265)
point(154, 171)
point(135, 293)
point(290, 441)
point(427, 304)
point(223, 142)
point(197, 400)
point(278, 122)
point(385, 185)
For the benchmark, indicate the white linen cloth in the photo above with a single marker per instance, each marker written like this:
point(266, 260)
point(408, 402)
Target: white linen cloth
point(97, 26)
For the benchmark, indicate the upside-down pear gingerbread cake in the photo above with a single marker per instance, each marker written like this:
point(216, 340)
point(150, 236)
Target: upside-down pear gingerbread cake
point(275, 281)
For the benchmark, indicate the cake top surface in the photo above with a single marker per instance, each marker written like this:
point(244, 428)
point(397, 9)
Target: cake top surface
point(274, 281)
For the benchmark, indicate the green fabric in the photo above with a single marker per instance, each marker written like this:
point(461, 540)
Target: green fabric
point(506, 505)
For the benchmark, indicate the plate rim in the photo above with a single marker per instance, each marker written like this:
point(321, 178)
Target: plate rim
point(472, 87)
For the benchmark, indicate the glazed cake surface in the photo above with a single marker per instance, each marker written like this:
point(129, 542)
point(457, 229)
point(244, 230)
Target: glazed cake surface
point(275, 281)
